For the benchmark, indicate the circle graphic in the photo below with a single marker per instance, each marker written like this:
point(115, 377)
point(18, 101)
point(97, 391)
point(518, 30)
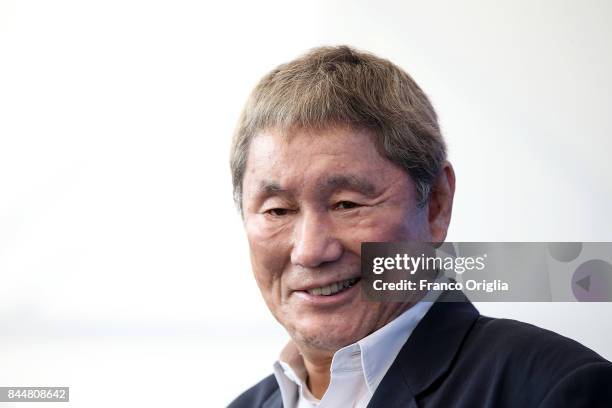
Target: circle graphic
point(592, 281)
point(564, 251)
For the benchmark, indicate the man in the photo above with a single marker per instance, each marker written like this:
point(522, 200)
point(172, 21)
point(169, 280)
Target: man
point(340, 147)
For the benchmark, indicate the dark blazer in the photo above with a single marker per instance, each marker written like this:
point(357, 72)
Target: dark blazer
point(457, 358)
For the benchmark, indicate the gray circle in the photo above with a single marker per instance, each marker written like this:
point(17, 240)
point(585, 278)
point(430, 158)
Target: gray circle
point(592, 281)
point(564, 251)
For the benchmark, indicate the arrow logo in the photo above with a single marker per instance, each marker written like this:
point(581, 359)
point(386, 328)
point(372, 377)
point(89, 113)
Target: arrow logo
point(584, 283)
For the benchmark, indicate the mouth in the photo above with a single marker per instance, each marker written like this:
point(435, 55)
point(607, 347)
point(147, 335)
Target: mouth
point(334, 288)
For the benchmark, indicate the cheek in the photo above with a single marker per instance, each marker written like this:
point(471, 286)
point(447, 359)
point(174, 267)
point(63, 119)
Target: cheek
point(386, 225)
point(262, 230)
point(269, 255)
point(266, 262)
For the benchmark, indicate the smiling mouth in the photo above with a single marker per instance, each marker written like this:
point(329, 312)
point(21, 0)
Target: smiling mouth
point(334, 288)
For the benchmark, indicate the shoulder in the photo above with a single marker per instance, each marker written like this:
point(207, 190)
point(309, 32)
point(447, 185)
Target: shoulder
point(257, 395)
point(540, 362)
point(506, 338)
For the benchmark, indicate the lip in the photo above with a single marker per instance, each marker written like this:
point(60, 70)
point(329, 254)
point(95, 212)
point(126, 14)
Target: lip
point(322, 284)
point(331, 300)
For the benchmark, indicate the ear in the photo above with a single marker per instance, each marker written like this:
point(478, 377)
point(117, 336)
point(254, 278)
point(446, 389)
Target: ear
point(440, 204)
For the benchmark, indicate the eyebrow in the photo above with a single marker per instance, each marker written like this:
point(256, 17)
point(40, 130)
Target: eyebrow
point(350, 182)
point(271, 187)
point(333, 182)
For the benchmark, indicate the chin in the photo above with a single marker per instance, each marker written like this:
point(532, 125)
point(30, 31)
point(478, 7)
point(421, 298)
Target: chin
point(326, 336)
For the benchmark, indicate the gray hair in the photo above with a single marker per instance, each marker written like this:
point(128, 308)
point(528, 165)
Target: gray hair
point(340, 85)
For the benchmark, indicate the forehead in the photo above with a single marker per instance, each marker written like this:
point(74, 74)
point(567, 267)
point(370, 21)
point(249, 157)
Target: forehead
point(340, 141)
point(332, 157)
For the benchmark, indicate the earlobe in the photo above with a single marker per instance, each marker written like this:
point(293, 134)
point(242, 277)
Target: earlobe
point(440, 205)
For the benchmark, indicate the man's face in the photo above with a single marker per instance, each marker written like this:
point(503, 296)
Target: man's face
point(310, 199)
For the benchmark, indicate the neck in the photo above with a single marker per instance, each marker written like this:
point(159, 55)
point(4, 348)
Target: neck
point(318, 369)
point(317, 361)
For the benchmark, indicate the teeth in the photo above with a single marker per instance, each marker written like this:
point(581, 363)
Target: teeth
point(333, 288)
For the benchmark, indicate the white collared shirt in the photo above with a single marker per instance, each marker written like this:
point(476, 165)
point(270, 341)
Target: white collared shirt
point(356, 370)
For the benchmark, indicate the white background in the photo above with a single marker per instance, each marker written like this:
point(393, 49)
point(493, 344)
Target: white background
point(124, 271)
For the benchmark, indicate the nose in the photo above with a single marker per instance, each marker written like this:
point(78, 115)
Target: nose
point(314, 242)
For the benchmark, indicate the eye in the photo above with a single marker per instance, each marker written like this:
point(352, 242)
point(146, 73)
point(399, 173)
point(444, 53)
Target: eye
point(345, 205)
point(277, 212)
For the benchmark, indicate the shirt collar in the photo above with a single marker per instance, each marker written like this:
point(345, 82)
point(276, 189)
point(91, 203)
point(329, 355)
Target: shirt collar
point(379, 349)
point(373, 354)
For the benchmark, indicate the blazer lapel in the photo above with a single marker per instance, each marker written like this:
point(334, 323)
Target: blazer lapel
point(393, 391)
point(428, 352)
point(274, 400)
